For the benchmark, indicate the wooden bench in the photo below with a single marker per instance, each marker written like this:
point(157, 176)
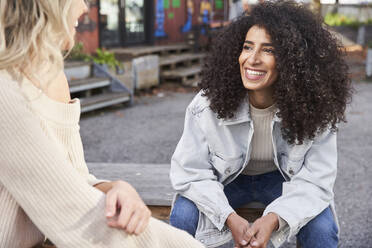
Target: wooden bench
point(153, 184)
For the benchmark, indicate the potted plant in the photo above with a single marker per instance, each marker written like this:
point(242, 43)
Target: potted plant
point(107, 60)
point(369, 60)
point(77, 53)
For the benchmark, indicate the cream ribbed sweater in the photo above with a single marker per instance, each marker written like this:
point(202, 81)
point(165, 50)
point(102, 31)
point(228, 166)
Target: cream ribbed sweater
point(261, 160)
point(45, 186)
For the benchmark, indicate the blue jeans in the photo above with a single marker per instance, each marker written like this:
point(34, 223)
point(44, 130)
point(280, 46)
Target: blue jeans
point(320, 232)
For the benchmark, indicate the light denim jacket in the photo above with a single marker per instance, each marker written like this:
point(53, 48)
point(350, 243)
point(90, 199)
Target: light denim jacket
point(213, 152)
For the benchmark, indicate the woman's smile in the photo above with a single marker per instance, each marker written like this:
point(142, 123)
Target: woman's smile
point(254, 74)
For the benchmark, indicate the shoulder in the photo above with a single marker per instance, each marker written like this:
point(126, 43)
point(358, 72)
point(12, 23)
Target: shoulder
point(8, 85)
point(11, 93)
point(199, 104)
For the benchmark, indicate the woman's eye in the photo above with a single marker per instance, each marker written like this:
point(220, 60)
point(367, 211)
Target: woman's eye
point(269, 50)
point(247, 47)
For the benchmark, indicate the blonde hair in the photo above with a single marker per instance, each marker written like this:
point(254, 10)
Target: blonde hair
point(33, 33)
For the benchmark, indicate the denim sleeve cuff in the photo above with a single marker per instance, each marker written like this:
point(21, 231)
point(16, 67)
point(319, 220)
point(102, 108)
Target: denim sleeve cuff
point(224, 216)
point(282, 223)
point(280, 236)
point(289, 230)
point(219, 220)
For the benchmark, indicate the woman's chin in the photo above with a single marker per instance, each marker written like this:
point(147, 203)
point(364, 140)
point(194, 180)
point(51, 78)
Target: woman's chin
point(251, 84)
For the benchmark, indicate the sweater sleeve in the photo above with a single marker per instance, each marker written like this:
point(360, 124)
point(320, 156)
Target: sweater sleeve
point(54, 195)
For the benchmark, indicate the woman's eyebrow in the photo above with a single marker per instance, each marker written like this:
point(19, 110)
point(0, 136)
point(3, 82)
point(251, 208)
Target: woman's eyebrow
point(263, 44)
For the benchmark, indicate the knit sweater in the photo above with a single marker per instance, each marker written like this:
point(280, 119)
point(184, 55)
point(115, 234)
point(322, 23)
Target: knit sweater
point(262, 153)
point(45, 186)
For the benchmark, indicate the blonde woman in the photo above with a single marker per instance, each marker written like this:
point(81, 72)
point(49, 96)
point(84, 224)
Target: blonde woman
point(45, 186)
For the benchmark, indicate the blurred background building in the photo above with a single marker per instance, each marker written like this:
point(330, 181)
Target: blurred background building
point(123, 23)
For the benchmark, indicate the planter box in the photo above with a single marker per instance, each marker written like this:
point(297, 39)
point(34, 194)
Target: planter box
point(77, 70)
point(146, 71)
point(369, 63)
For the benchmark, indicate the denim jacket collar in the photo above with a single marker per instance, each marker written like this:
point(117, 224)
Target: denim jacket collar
point(243, 115)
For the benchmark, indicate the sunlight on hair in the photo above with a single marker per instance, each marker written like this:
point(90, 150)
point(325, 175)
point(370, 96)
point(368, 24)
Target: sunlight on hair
point(33, 34)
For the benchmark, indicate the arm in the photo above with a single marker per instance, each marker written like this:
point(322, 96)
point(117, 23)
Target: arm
point(312, 186)
point(192, 173)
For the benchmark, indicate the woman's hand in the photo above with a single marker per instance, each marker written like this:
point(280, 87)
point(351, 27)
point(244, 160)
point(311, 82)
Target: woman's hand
point(125, 208)
point(238, 227)
point(259, 233)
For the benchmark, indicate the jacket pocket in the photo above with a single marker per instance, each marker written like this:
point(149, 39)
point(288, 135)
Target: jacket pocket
point(225, 167)
point(290, 165)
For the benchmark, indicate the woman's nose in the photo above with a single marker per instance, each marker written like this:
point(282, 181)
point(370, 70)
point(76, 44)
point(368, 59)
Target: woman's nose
point(86, 6)
point(254, 58)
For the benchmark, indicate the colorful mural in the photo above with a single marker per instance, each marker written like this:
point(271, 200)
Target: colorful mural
point(205, 12)
point(190, 11)
point(160, 19)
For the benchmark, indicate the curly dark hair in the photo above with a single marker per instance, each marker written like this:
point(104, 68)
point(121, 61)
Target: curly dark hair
point(313, 86)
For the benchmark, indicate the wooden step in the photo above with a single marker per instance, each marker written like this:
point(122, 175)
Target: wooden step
point(193, 82)
point(77, 70)
point(103, 100)
point(182, 72)
point(134, 52)
point(186, 59)
point(88, 84)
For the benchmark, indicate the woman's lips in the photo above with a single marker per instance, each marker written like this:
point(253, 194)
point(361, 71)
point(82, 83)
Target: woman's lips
point(254, 75)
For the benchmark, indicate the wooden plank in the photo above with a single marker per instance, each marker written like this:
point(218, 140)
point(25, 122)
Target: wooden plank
point(160, 212)
point(250, 214)
point(133, 52)
point(181, 72)
point(87, 84)
point(103, 100)
point(174, 59)
point(151, 180)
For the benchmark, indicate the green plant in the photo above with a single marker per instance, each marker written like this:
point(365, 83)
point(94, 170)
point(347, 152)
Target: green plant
point(335, 19)
point(77, 53)
point(105, 57)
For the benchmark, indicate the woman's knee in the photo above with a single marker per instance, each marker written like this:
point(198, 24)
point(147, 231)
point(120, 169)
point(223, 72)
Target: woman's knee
point(185, 215)
point(322, 231)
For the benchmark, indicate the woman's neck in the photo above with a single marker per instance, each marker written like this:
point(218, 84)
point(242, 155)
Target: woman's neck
point(261, 99)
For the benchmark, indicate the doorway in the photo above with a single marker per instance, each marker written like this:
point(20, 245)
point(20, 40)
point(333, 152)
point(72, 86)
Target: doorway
point(126, 22)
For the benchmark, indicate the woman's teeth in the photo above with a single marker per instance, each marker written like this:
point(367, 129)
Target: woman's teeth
point(76, 24)
point(256, 73)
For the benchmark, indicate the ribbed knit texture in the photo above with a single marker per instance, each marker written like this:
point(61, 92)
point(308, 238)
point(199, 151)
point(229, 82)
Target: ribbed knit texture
point(261, 160)
point(45, 186)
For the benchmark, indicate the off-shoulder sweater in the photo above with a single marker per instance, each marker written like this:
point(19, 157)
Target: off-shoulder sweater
point(45, 185)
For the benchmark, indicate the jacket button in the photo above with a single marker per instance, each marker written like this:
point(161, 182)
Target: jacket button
point(227, 171)
point(291, 171)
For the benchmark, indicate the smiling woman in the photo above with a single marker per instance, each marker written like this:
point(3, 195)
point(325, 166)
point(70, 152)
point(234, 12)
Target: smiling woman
point(45, 186)
point(263, 128)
